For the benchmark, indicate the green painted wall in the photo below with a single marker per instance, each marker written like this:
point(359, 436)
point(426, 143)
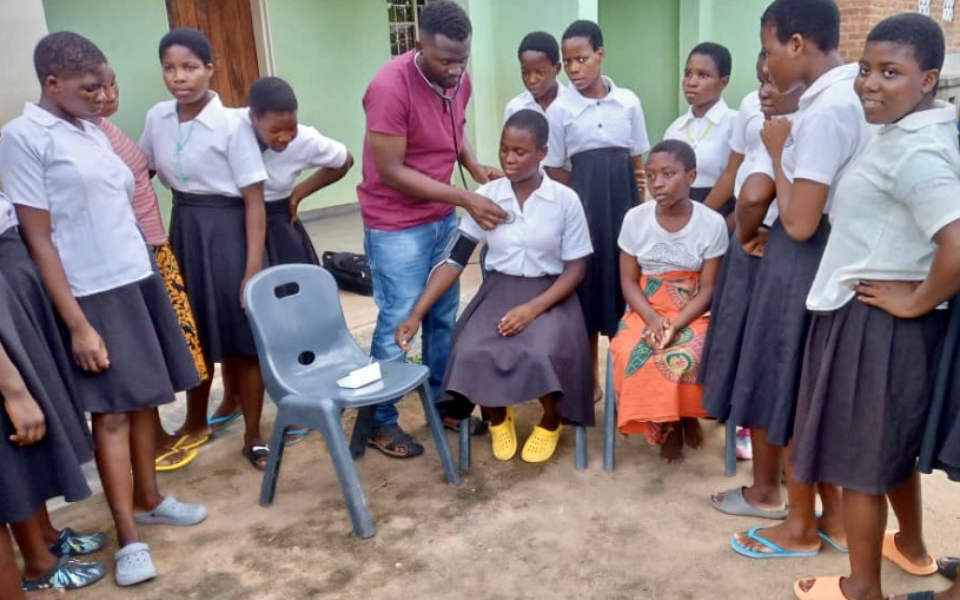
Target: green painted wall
point(641, 39)
point(736, 25)
point(329, 51)
point(648, 42)
point(128, 32)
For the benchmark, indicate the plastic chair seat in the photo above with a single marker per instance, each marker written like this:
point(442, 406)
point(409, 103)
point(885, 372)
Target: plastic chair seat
point(397, 380)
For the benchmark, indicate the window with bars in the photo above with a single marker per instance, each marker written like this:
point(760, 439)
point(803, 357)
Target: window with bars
point(404, 19)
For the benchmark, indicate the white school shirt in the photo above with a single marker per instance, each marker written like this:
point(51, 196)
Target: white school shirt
point(74, 174)
point(551, 229)
point(578, 124)
point(8, 216)
point(308, 150)
point(902, 190)
point(525, 100)
point(709, 136)
point(746, 140)
point(830, 130)
point(218, 154)
point(659, 251)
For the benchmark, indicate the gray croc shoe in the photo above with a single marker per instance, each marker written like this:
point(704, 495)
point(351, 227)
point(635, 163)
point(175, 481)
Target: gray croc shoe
point(133, 564)
point(733, 503)
point(173, 512)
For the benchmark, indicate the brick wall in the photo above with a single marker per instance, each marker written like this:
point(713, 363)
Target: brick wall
point(861, 15)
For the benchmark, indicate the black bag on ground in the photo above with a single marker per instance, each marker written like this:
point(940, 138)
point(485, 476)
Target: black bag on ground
point(350, 270)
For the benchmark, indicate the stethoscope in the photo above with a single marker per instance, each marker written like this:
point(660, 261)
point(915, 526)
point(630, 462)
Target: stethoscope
point(448, 100)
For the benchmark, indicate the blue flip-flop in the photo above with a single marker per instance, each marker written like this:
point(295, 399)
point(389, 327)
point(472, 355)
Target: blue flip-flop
point(832, 542)
point(292, 437)
point(222, 421)
point(777, 551)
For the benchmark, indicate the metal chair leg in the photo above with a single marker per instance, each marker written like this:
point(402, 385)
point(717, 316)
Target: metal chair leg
point(580, 446)
point(464, 438)
point(439, 437)
point(730, 449)
point(609, 418)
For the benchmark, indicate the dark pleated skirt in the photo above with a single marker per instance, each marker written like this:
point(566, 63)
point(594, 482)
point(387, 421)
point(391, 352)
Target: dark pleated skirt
point(287, 242)
point(941, 440)
point(30, 299)
point(605, 181)
point(149, 357)
point(728, 319)
point(768, 371)
point(550, 356)
point(31, 475)
point(864, 397)
point(208, 236)
point(699, 194)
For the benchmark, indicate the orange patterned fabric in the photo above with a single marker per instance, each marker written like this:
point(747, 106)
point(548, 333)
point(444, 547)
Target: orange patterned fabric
point(656, 387)
point(170, 271)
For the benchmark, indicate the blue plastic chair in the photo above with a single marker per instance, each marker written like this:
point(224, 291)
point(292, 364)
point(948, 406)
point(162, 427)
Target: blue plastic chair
point(304, 347)
point(610, 429)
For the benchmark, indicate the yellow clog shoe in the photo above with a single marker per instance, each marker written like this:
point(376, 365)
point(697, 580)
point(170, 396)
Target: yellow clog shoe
point(504, 437)
point(541, 445)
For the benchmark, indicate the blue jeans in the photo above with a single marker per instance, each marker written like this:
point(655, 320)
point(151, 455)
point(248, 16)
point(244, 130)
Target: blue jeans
point(400, 262)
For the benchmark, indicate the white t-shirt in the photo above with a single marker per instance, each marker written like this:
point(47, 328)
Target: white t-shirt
point(709, 136)
point(578, 124)
point(8, 216)
point(659, 251)
point(525, 100)
point(550, 229)
point(308, 150)
point(900, 192)
point(745, 139)
point(830, 130)
point(214, 153)
point(49, 164)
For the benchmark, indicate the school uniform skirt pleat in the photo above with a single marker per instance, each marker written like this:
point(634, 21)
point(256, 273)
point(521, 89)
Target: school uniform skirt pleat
point(864, 397)
point(764, 391)
point(149, 357)
point(941, 439)
point(728, 319)
point(607, 185)
point(54, 360)
point(208, 237)
point(31, 475)
point(549, 356)
point(287, 243)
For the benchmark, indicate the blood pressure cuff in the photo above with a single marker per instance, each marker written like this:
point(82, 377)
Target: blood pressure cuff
point(460, 250)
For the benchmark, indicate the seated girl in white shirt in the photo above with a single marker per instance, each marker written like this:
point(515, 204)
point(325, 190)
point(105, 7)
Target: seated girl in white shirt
point(670, 252)
point(708, 124)
point(73, 198)
point(523, 335)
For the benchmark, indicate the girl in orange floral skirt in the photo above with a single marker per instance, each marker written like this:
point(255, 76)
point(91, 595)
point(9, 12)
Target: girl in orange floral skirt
point(669, 260)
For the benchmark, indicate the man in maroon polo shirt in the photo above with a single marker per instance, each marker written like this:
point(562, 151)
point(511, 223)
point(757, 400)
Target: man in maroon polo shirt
point(415, 108)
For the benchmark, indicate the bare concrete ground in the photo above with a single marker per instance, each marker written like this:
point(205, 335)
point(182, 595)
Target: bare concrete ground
point(509, 531)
